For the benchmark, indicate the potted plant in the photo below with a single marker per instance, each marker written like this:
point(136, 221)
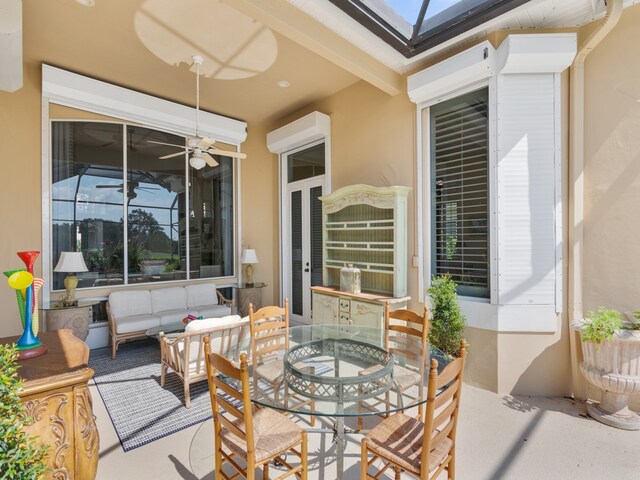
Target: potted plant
point(447, 322)
point(611, 351)
point(20, 456)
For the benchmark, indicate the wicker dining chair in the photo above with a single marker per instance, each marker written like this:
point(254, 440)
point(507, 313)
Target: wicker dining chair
point(409, 339)
point(253, 435)
point(269, 341)
point(426, 449)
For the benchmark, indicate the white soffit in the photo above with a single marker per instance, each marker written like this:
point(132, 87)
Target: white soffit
point(10, 45)
point(537, 53)
point(311, 127)
point(471, 66)
point(73, 90)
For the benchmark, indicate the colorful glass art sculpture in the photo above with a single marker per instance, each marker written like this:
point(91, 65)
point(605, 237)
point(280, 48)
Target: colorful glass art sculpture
point(27, 288)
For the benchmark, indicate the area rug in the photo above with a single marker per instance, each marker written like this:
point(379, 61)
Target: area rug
point(140, 409)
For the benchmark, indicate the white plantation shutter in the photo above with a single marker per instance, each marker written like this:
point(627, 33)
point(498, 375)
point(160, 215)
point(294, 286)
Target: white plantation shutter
point(459, 192)
point(526, 190)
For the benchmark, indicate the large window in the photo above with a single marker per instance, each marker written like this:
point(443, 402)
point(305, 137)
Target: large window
point(137, 218)
point(460, 193)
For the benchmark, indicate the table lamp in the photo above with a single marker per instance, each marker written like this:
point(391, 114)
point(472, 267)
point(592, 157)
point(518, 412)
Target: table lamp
point(249, 257)
point(70, 262)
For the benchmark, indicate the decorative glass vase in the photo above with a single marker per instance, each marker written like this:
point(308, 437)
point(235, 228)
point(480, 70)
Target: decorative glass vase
point(350, 279)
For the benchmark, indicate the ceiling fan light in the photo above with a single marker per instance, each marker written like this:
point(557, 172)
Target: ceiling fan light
point(197, 162)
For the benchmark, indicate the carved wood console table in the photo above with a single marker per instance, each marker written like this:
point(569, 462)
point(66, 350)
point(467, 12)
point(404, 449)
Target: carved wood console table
point(56, 395)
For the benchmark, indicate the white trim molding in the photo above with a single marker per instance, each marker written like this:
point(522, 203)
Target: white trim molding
point(525, 181)
point(85, 93)
point(310, 128)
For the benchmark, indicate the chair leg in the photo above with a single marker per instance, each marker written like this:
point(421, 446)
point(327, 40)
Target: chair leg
point(265, 471)
point(187, 395)
point(451, 467)
point(114, 348)
point(398, 472)
point(163, 374)
point(303, 455)
point(364, 474)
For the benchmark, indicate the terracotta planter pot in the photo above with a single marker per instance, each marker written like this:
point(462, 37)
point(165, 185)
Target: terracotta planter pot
point(614, 366)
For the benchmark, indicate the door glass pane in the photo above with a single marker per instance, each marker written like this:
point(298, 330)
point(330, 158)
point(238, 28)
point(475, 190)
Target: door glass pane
point(155, 195)
point(315, 217)
point(296, 253)
point(211, 234)
point(87, 200)
point(306, 163)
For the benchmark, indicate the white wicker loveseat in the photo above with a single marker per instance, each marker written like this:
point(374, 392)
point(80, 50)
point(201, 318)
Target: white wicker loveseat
point(132, 312)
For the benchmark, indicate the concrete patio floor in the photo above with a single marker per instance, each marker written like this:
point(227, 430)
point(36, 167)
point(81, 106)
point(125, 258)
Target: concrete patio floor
point(499, 437)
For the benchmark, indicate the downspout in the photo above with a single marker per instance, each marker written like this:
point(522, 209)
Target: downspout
point(576, 185)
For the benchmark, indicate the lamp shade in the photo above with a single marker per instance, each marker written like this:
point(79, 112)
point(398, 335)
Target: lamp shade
point(249, 256)
point(71, 262)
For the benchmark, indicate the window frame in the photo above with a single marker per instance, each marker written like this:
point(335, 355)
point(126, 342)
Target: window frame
point(68, 89)
point(424, 177)
point(228, 280)
point(432, 193)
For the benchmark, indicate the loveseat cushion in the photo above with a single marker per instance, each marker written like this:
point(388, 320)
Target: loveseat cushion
point(211, 311)
point(136, 323)
point(171, 316)
point(201, 294)
point(208, 324)
point(173, 298)
point(127, 303)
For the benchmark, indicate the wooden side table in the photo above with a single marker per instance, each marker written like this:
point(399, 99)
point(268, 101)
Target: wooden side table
point(76, 317)
point(56, 395)
point(247, 295)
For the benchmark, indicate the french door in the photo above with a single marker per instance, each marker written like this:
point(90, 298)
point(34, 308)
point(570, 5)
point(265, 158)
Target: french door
point(302, 255)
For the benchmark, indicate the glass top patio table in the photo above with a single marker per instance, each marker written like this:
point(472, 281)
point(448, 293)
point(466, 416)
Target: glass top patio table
point(344, 369)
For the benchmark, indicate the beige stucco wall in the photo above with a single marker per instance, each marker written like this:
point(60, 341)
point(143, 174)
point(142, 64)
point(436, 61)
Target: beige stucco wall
point(612, 172)
point(612, 169)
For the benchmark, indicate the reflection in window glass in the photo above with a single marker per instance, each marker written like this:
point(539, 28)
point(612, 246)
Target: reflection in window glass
point(86, 199)
point(211, 220)
point(306, 163)
point(93, 201)
point(155, 196)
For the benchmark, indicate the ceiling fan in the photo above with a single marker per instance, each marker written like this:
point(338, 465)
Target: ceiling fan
point(132, 185)
point(199, 147)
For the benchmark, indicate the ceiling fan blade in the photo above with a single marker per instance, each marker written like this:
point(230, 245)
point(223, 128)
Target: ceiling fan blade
point(168, 144)
point(205, 143)
point(171, 155)
point(108, 186)
point(209, 159)
point(226, 153)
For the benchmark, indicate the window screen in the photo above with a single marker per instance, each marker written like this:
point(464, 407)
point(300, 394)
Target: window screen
point(459, 192)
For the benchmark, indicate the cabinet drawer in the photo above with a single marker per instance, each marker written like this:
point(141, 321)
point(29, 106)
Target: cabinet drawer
point(345, 304)
point(345, 318)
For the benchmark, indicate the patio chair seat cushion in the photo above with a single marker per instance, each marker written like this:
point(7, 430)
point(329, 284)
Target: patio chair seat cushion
point(270, 371)
point(204, 294)
point(136, 323)
point(273, 434)
point(169, 299)
point(399, 439)
point(210, 311)
point(171, 316)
